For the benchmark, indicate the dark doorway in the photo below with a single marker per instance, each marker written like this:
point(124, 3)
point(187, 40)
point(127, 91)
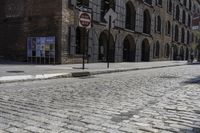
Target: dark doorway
point(182, 53)
point(103, 42)
point(175, 53)
point(129, 49)
point(187, 54)
point(145, 50)
point(81, 41)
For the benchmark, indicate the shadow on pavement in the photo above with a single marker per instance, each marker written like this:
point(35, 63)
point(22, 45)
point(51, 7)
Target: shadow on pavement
point(194, 130)
point(195, 80)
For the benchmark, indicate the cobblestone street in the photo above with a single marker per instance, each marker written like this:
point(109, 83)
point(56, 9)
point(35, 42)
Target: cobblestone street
point(165, 100)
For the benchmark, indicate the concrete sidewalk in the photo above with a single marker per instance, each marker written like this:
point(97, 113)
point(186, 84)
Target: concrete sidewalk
point(26, 72)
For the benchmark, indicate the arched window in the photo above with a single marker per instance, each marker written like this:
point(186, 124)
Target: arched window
point(159, 2)
point(183, 18)
point(176, 33)
point(105, 6)
point(190, 5)
point(182, 35)
point(158, 24)
point(194, 9)
point(156, 50)
point(83, 3)
point(170, 6)
point(130, 16)
point(167, 50)
point(168, 28)
point(185, 3)
point(148, 2)
point(177, 12)
point(189, 20)
point(147, 22)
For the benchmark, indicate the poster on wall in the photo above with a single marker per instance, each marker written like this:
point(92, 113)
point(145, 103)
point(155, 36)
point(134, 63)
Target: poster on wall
point(38, 45)
point(33, 42)
point(50, 46)
point(41, 47)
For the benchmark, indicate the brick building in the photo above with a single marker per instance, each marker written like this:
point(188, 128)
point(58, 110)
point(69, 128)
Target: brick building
point(145, 30)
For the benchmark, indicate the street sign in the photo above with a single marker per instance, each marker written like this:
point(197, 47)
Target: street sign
point(85, 20)
point(110, 15)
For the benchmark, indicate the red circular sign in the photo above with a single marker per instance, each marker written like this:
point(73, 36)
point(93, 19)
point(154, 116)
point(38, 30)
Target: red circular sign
point(85, 19)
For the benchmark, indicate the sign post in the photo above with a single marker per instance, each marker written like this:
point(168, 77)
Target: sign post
point(85, 21)
point(110, 17)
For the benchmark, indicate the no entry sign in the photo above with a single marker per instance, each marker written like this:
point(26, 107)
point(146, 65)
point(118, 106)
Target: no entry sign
point(85, 20)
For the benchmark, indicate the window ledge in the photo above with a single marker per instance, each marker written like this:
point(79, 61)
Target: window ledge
point(150, 5)
point(129, 30)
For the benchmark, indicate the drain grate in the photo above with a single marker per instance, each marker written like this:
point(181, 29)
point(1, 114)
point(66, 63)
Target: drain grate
point(169, 77)
point(15, 71)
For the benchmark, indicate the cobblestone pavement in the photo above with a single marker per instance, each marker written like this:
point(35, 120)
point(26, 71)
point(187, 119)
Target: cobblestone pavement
point(165, 100)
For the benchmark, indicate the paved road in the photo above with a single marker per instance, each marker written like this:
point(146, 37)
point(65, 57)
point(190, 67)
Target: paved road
point(165, 100)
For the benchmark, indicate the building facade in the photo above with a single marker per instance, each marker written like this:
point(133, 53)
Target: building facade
point(145, 30)
point(196, 33)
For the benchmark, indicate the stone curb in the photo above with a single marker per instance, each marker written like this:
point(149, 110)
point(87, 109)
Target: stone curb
point(22, 78)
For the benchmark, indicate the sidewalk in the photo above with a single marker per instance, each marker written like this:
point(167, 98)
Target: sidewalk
point(26, 72)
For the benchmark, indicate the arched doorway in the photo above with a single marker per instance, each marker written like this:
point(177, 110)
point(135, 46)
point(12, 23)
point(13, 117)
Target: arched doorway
point(80, 41)
point(167, 50)
point(129, 49)
point(187, 54)
point(103, 42)
point(175, 52)
point(182, 53)
point(145, 50)
point(156, 50)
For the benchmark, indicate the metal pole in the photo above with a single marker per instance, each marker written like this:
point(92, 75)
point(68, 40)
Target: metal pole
point(108, 51)
point(84, 44)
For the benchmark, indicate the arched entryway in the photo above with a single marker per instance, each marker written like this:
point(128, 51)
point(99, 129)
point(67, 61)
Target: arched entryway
point(187, 54)
point(182, 53)
point(103, 42)
point(175, 52)
point(129, 49)
point(167, 50)
point(80, 41)
point(145, 50)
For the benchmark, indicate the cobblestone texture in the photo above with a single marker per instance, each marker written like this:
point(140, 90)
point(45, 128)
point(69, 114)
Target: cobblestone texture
point(163, 100)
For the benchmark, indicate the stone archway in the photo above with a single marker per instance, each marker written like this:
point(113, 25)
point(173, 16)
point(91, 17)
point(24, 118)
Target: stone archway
point(145, 50)
point(129, 49)
point(103, 42)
